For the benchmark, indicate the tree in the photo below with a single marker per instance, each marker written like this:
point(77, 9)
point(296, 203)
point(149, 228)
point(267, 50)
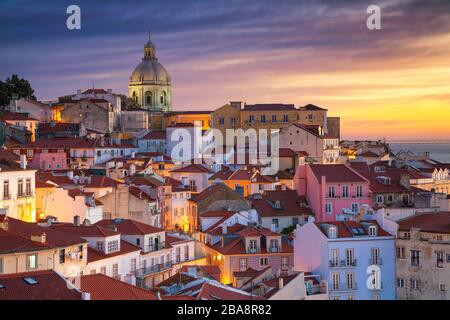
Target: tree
point(15, 85)
point(128, 103)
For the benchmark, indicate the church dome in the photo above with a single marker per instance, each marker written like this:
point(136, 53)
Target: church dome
point(150, 71)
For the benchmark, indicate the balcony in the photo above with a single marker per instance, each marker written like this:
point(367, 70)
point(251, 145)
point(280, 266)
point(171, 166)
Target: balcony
point(25, 195)
point(154, 247)
point(375, 261)
point(142, 272)
point(342, 263)
point(253, 250)
point(274, 249)
point(343, 287)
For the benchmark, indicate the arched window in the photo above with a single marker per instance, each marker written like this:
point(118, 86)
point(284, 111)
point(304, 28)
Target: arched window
point(148, 98)
point(163, 98)
point(135, 97)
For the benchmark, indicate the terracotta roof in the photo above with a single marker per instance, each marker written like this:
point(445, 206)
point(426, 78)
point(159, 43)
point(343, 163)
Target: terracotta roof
point(54, 238)
point(98, 144)
point(268, 107)
point(237, 247)
point(140, 194)
point(181, 125)
point(102, 287)
point(274, 284)
point(52, 143)
point(129, 227)
point(57, 127)
point(352, 229)
point(207, 192)
point(9, 156)
point(125, 248)
point(84, 231)
point(155, 135)
point(427, 222)
point(102, 182)
point(97, 91)
point(336, 173)
point(360, 166)
point(210, 291)
point(49, 286)
point(212, 271)
point(11, 243)
point(41, 184)
point(192, 168)
point(177, 297)
point(281, 203)
point(13, 116)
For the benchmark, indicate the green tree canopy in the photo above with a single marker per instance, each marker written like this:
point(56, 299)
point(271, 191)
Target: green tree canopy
point(15, 85)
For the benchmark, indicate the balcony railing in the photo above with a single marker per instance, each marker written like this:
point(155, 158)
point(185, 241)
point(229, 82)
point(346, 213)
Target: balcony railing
point(154, 247)
point(25, 195)
point(142, 272)
point(342, 263)
point(375, 261)
point(274, 249)
point(253, 250)
point(343, 287)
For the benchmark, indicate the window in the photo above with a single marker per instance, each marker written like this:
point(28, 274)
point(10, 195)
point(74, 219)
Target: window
point(233, 121)
point(406, 235)
point(284, 263)
point(401, 252)
point(376, 297)
point(295, 221)
point(253, 246)
point(375, 256)
point(335, 281)
point(93, 271)
point(379, 198)
point(103, 270)
point(345, 192)
point(178, 254)
point(332, 233)
point(334, 257)
point(442, 288)
point(242, 264)
point(275, 222)
point(350, 298)
point(263, 262)
point(133, 266)
point(6, 189)
point(221, 121)
point(274, 118)
point(400, 282)
point(359, 191)
point(390, 198)
point(372, 231)
point(331, 192)
point(113, 246)
point(350, 280)
point(31, 262)
point(115, 271)
point(273, 245)
point(186, 253)
point(440, 259)
point(414, 284)
point(285, 118)
point(349, 257)
point(20, 188)
point(28, 187)
point(99, 246)
point(251, 118)
point(263, 118)
point(355, 207)
point(415, 257)
point(328, 208)
point(62, 256)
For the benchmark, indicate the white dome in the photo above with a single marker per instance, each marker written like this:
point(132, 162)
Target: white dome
point(150, 70)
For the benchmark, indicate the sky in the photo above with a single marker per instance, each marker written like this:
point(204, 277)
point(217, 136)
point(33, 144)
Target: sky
point(391, 83)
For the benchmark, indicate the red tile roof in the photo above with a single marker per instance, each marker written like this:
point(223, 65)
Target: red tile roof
point(52, 143)
point(11, 243)
point(125, 248)
point(312, 107)
point(274, 284)
point(205, 194)
point(347, 229)
point(427, 222)
point(49, 286)
point(268, 107)
point(155, 135)
point(13, 116)
point(102, 182)
point(84, 231)
point(336, 173)
point(129, 227)
point(192, 168)
point(210, 291)
point(289, 204)
point(57, 127)
point(97, 91)
point(102, 287)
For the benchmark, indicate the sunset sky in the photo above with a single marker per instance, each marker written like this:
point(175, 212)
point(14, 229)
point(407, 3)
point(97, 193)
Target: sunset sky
point(392, 83)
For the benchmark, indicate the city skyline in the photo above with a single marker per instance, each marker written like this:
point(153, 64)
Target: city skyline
point(390, 83)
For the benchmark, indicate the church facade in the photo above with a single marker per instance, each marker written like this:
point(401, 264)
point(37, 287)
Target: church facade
point(150, 85)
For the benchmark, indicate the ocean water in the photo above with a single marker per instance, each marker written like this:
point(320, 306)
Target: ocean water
point(439, 151)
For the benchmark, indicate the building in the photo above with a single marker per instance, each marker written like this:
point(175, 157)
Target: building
point(154, 141)
point(357, 259)
point(150, 85)
point(134, 120)
point(423, 257)
point(60, 130)
point(193, 177)
point(298, 138)
point(334, 191)
point(35, 109)
point(21, 121)
point(281, 209)
point(197, 118)
point(17, 189)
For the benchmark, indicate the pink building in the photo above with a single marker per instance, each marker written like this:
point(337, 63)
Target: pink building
point(334, 192)
point(50, 161)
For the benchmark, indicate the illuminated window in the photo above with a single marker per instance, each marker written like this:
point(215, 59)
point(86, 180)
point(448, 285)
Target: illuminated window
point(31, 262)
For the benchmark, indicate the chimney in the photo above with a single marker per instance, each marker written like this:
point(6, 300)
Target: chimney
point(41, 238)
point(70, 175)
point(23, 161)
point(236, 104)
point(76, 220)
point(280, 283)
point(85, 296)
point(405, 180)
point(132, 170)
point(224, 229)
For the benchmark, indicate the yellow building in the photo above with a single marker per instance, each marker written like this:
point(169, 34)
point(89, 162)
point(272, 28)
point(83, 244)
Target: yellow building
point(200, 118)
